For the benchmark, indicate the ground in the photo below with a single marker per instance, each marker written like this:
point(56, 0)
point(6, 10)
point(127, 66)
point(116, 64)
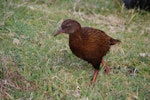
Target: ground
point(35, 65)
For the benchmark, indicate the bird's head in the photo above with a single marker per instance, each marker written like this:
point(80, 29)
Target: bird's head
point(68, 26)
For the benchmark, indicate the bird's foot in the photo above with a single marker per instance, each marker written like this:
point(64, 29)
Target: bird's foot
point(107, 69)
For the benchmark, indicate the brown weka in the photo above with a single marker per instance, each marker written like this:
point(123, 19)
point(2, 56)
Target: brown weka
point(88, 43)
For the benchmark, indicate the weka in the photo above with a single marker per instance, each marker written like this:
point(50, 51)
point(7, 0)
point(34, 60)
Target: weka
point(87, 43)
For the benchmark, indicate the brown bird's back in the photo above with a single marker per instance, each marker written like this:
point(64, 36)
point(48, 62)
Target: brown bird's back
point(90, 44)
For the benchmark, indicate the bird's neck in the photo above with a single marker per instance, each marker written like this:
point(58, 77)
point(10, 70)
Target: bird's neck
point(75, 36)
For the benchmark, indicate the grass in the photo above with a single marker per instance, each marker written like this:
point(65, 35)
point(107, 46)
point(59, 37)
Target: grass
point(35, 65)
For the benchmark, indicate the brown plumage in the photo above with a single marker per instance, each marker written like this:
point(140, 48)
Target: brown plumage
point(87, 43)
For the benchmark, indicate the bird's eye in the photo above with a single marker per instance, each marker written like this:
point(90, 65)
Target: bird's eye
point(65, 26)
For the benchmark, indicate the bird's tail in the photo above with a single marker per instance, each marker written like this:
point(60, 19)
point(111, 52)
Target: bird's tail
point(114, 41)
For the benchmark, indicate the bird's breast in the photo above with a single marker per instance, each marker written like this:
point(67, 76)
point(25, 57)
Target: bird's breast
point(76, 47)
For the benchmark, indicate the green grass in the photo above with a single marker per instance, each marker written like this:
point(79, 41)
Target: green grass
point(35, 65)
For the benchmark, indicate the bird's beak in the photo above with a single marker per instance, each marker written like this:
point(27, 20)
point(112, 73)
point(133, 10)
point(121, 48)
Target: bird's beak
point(59, 32)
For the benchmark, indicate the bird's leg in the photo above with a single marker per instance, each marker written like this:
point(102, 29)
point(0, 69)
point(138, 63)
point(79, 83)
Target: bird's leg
point(94, 76)
point(106, 67)
point(103, 62)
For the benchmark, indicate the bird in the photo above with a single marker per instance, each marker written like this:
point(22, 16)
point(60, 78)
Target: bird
point(87, 43)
